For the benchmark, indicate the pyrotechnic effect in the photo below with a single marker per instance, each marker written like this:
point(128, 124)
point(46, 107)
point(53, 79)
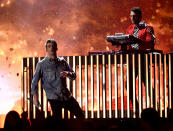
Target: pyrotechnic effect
point(79, 26)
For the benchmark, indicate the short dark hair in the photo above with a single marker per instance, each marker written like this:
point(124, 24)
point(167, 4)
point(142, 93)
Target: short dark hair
point(51, 41)
point(137, 10)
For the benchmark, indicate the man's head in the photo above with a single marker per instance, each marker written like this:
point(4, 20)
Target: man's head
point(51, 47)
point(136, 15)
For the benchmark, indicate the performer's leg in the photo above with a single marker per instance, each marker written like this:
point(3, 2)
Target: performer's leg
point(143, 74)
point(56, 107)
point(131, 82)
point(73, 106)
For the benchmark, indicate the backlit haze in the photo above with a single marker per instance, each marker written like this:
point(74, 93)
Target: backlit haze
point(79, 26)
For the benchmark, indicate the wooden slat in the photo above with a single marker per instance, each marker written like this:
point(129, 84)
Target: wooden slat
point(98, 86)
point(151, 81)
point(134, 86)
point(92, 87)
point(128, 77)
point(116, 87)
point(170, 84)
point(122, 86)
point(156, 88)
point(160, 77)
point(140, 85)
point(104, 85)
point(147, 83)
point(110, 86)
point(165, 86)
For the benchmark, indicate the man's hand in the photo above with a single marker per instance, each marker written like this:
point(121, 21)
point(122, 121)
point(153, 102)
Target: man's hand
point(64, 74)
point(135, 40)
point(35, 100)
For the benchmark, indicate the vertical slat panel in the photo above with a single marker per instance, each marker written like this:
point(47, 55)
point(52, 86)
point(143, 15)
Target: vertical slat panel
point(45, 106)
point(147, 83)
point(128, 99)
point(165, 84)
point(68, 83)
point(98, 86)
point(110, 86)
point(151, 82)
point(104, 85)
point(28, 73)
point(74, 81)
point(122, 86)
point(34, 107)
point(80, 82)
point(86, 87)
point(116, 87)
point(170, 84)
point(63, 113)
point(156, 91)
point(22, 85)
point(92, 87)
point(28, 90)
point(134, 86)
point(44, 103)
point(30, 81)
point(39, 90)
point(160, 76)
point(25, 89)
point(140, 85)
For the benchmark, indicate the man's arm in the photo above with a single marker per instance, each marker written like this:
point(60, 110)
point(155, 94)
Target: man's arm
point(149, 41)
point(68, 71)
point(34, 85)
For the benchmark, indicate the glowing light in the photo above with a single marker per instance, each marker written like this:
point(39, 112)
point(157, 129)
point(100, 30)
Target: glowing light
point(123, 19)
point(107, 48)
point(91, 48)
point(7, 97)
point(9, 75)
point(74, 37)
point(2, 4)
point(8, 2)
point(35, 54)
point(18, 59)
point(23, 42)
point(1, 52)
point(157, 11)
point(158, 5)
point(153, 17)
point(51, 31)
point(13, 62)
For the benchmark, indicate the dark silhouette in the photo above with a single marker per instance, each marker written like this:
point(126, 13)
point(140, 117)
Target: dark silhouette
point(26, 124)
point(151, 118)
point(12, 122)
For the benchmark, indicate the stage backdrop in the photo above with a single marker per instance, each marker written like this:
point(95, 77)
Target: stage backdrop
point(79, 26)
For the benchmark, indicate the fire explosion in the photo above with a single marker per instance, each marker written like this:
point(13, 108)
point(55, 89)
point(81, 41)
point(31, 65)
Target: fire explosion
point(79, 26)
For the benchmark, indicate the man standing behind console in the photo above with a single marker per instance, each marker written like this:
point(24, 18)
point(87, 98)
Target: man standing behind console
point(53, 71)
point(142, 32)
point(143, 35)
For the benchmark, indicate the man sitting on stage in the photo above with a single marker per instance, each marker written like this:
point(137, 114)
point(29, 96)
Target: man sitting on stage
point(53, 71)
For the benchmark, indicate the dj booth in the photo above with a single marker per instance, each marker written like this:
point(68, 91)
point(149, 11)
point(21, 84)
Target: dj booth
point(102, 85)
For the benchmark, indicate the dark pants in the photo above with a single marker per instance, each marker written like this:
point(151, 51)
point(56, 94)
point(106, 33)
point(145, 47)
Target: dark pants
point(71, 105)
point(143, 79)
